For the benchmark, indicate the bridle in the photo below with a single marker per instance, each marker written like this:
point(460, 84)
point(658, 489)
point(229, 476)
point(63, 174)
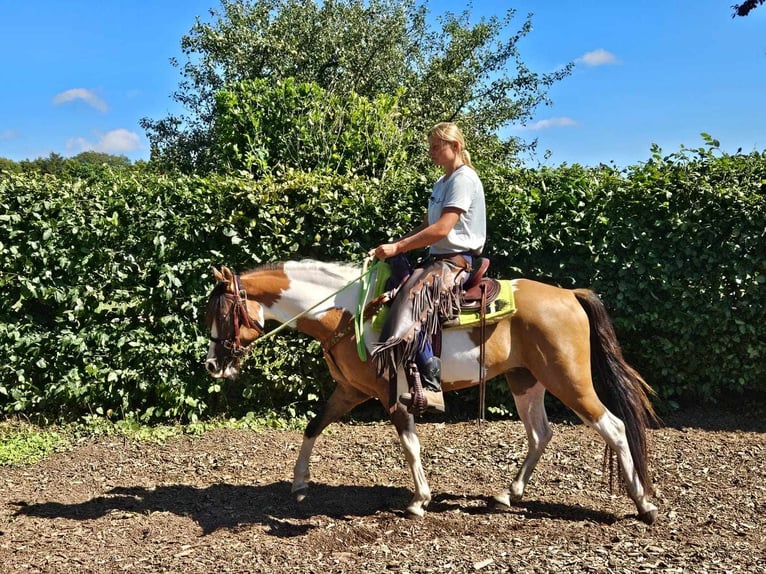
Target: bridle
point(239, 317)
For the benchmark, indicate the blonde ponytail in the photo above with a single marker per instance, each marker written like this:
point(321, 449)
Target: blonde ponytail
point(449, 132)
point(467, 159)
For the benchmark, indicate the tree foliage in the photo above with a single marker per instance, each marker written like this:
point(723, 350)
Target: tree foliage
point(9, 165)
point(746, 7)
point(447, 71)
point(261, 126)
point(83, 165)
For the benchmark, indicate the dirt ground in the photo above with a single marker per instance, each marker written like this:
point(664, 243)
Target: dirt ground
point(221, 503)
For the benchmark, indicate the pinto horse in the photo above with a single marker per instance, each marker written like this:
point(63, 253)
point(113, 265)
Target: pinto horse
point(558, 340)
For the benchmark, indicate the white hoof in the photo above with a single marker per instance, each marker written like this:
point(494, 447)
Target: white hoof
point(300, 493)
point(417, 508)
point(649, 516)
point(414, 512)
point(517, 492)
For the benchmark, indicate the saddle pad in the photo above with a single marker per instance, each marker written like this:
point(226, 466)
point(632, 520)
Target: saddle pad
point(501, 307)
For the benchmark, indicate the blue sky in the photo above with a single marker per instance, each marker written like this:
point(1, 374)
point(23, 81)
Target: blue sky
point(80, 74)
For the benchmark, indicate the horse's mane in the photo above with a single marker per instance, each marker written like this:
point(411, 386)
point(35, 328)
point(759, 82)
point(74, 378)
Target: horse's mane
point(265, 267)
point(339, 269)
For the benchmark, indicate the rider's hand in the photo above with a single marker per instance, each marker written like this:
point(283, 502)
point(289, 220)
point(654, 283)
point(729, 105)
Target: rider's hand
point(384, 251)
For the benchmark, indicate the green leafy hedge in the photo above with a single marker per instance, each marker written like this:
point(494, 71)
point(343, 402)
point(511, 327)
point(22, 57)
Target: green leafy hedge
point(675, 246)
point(683, 262)
point(104, 284)
point(104, 281)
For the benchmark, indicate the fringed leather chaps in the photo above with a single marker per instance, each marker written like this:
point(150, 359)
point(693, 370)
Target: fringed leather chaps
point(430, 295)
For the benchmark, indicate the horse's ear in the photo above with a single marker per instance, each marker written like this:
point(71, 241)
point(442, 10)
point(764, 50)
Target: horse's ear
point(217, 275)
point(227, 273)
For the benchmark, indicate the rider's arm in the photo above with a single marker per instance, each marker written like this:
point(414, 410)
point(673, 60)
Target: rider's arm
point(422, 236)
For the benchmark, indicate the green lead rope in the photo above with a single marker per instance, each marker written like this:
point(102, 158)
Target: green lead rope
point(358, 320)
point(364, 294)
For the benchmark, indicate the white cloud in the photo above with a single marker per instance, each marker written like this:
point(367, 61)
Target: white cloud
point(598, 57)
point(560, 122)
point(117, 141)
point(88, 96)
point(8, 135)
point(120, 140)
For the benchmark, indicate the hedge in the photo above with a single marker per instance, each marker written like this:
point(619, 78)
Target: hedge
point(104, 280)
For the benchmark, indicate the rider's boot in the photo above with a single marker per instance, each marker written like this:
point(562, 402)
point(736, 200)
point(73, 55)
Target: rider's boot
point(430, 375)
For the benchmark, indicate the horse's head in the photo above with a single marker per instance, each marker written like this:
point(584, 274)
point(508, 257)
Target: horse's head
point(230, 317)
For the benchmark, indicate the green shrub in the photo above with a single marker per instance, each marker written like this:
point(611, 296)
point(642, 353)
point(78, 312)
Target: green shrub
point(681, 261)
point(104, 280)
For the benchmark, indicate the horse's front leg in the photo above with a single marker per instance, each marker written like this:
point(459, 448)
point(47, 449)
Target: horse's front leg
point(408, 436)
point(528, 396)
point(301, 471)
point(343, 399)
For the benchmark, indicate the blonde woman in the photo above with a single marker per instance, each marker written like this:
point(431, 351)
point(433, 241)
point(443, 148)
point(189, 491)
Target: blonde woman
point(454, 232)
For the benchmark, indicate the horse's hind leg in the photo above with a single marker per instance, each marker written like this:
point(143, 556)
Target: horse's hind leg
point(342, 400)
point(612, 430)
point(528, 395)
point(405, 427)
point(594, 413)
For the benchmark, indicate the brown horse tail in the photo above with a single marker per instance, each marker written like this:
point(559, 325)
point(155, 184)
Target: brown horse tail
point(620, 387)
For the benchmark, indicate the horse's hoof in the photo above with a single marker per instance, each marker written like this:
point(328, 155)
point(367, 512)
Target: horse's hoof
point(300, 493)
point(505, 499)
point(649, 517)
point(501, 501)
point(415, 512)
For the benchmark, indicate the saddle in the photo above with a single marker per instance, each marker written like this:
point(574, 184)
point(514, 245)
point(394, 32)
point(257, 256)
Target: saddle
point(470, 298)
point(476, 282)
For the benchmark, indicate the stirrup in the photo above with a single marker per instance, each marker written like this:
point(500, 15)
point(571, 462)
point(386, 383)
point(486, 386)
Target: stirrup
point(433, 402)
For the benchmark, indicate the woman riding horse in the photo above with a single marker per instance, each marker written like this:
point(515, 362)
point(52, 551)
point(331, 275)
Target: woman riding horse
point(454, 232)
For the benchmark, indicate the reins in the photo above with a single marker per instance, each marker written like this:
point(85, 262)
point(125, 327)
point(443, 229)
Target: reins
point(241, 316)
point(364, 293)
point(359, 321)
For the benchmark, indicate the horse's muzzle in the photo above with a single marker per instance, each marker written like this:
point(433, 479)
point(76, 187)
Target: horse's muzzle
point(212, 366)
point(229, 370)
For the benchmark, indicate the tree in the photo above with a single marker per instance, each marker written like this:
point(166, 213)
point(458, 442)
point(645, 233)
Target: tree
point(746, 7)
point(452, 70)
point(265, 125)
point(83, 165)
point(54, 164)
point(92, 163)
point(9, 165)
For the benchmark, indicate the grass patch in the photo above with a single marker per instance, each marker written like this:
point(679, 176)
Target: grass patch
point(23, 443)
point(26, 443)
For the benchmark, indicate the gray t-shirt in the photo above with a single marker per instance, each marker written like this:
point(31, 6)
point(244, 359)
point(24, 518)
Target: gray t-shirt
point(462, 189)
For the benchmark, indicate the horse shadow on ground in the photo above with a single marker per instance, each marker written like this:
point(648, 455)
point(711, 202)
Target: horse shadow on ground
point(529, 509)
point(230, 507)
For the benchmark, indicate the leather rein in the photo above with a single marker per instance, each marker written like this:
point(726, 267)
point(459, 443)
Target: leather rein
point(241, 317)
